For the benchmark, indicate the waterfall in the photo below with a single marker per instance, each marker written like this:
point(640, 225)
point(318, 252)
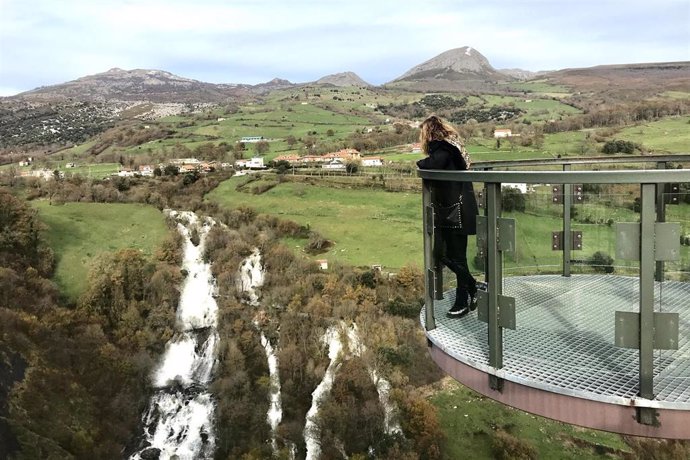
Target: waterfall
point(179, 420)
point(251, 277)
point(311, 430)
point(275, 411)
point(383, 387)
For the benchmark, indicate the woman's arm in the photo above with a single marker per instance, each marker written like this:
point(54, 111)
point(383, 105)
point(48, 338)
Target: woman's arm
point(439, 159)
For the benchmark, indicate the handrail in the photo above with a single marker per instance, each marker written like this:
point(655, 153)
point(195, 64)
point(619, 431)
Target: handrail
point(581, 160)
point(649, 176)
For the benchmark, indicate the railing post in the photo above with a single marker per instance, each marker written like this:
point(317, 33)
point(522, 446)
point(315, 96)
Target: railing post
point(495, 277)
point(647, 259)
point(567, 205)
point(660, 217)
point(429, 257)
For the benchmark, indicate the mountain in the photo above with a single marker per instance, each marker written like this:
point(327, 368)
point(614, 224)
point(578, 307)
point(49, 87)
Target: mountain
point(636, 79)
point(342, 79)
point(521, 74)
point(144, 85)
point(457, 69)
point(137, 85)
point(276, 83)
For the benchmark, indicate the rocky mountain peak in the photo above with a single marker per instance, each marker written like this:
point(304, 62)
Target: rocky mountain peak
point(342, 79)
point(461, 60)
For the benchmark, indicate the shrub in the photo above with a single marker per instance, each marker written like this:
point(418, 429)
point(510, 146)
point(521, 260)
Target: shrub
point(512, 200)
point(619, 146)
point(400, 307)
point(601, 262)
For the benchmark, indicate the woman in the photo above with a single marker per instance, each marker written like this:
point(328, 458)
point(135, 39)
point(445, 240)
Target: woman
point(455, 207)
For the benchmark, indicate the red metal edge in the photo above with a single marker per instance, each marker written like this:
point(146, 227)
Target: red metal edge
point(569, 409)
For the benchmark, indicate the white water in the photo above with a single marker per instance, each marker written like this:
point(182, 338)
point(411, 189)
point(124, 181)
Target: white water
point(311, 431)
point(275, 411)
point(179, 421)
point(336, 356)
point(383, 386)
point(251, 277)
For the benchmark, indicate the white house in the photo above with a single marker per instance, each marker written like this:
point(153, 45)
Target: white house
point(250, 139)
point(254, 163)
point(335, 164)
point(372, 161)
point(502, 132)
point(520, 186)
point(323, 264)
point(146, 170)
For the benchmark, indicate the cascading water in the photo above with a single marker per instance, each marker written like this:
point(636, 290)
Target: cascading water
point(251, 277)
point(383, 386)
point(311, 431)
point(356, 348)
point(179, 421)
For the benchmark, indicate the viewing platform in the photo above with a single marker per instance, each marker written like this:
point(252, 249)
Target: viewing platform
point(601, 340)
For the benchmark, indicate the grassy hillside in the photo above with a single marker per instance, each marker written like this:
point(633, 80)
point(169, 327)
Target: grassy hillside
point(489, 430)
point(80, 232)
point(367, 226)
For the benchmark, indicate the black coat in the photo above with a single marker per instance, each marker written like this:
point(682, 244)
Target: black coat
point(443, 155)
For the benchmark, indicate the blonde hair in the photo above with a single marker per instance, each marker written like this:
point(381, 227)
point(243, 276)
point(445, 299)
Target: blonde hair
point(435, 128)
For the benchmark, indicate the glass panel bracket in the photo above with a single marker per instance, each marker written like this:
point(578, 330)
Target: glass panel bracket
point(627, 331)
point(666, 241)
point(506, 309)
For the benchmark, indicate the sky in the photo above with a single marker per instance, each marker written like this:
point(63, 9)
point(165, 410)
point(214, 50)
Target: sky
point(47, 42)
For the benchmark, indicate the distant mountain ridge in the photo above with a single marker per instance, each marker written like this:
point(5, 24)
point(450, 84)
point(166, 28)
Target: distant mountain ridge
point(156, 86)
point(461, 69)
point(342, 79)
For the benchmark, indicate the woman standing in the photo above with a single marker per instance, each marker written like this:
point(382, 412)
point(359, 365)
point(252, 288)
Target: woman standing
point(455, 207)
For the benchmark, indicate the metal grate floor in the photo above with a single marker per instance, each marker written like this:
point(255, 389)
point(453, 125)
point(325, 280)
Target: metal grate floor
point(564, 340)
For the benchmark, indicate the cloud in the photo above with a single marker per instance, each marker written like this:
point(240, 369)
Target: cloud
point(47, 41)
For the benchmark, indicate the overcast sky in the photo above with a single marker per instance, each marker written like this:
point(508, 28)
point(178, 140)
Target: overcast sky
point(45, 42)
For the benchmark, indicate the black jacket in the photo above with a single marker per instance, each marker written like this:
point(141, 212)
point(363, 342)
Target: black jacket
point(443, 155)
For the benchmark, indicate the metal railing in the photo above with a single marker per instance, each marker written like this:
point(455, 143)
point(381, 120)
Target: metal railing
point(651, 242)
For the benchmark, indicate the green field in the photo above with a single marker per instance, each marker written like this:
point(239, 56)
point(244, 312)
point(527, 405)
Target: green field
point(80, 232)
point(471, 422)
point(671, 135)
point(535, 109)
point(367, 226)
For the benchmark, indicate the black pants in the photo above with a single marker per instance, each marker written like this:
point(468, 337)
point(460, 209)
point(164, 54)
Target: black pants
point(454, 256)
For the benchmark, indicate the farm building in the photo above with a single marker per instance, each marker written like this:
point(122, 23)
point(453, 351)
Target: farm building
point(502, 132)
point(254, 163)
point(372, 161)
point(336, 164)
point(250, 139)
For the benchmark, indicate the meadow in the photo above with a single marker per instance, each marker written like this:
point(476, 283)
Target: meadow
point(487, 429)
point(80, 232)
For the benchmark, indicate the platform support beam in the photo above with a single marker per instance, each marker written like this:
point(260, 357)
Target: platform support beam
point(495, 279)
point(567, 204)
point(647, 416)
point(431, 269)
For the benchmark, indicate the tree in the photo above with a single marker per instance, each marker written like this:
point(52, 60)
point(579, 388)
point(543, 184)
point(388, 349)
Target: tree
point(512, 200)
point(261, 147)
point(171, 170)
point(352, 166)
point(291, 141)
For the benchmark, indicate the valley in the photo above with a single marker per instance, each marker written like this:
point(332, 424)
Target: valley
point(93, 269)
